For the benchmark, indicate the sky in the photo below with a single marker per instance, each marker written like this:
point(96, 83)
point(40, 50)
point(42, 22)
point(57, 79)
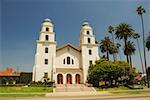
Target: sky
point(20, 22)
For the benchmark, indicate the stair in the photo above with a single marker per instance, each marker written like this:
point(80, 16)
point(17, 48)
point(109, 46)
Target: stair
point(73, 88)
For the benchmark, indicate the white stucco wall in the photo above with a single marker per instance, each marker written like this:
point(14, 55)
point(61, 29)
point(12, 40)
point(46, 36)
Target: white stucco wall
point(68, 52)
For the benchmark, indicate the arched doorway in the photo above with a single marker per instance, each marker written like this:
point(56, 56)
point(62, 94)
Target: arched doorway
point(69, 79)
point(77, 79)
point(59, 79)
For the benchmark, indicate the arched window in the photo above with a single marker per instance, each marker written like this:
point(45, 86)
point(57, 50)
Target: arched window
point(46, 61)
point(47, 29)
point(68, 60)
point(46, 50)
point(87, 32)
point(72, 61)
point(64, 61)
point(89, 40)
point(90, 52)
point(46, 37)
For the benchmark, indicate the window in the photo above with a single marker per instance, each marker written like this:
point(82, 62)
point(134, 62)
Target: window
point(72, 61)
point(46, 75)
point(87, 32)
point(90, 62)
point(68, 60)
point(46, 37)
point(46, 61)
point(90, 52)
point(64, 61)
point(89, 40)
point(47, 29)
point(46, 50)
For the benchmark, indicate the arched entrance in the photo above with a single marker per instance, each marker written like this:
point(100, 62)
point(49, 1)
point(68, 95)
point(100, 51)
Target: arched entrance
point(59, 79)
point(77, 79)
point(69, 79)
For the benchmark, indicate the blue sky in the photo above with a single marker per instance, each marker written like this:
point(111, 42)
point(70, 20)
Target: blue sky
point(21, 20)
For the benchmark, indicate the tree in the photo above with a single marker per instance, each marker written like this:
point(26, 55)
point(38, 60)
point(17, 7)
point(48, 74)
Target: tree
point(140, 11)
point(106, 45)
point(111, 72)
point(137, 36)
point(129, 50)
point(124, 31)
point(111, 30)
point(148, 42)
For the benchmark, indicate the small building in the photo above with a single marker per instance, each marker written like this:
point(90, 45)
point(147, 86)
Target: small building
point(8, 76)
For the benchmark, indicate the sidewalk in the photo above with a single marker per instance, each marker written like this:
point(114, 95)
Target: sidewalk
point(57, 94)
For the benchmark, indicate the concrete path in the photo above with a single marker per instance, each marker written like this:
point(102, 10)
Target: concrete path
point(84, 97)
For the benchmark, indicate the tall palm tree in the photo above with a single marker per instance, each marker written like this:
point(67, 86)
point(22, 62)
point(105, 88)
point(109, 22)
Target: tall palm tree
point(137, 36)
point(106, 45)
point(118, 47)
point(124, 31)
point(148, 42)
point(140, 11)
point(111, 30)
point(129, 50)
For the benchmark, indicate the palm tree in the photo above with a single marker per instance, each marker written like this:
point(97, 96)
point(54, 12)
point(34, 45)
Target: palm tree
point(148, 42)
point(140, 11)
point(137, 36)
point(129, 50)
point(124, 31)
point(106, 45)
point(118, 47)
point(111, 30)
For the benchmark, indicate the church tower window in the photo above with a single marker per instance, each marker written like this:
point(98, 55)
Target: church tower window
point(45, 75)
point(46, 50)
point(46, 61)
point(68, 60)
point(87, 32)
point(47, 29)
point(89, 40)
point(46, 37)
point(90, 62)
point(90, 52)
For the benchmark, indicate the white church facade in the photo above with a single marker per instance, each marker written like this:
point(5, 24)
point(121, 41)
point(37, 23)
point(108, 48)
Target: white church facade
point(66, 64)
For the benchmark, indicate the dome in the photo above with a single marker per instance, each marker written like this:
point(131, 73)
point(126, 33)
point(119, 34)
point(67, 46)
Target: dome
point(85, 23)
point(47, 20)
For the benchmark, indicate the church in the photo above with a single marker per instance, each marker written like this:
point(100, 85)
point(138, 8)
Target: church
point(66, 64)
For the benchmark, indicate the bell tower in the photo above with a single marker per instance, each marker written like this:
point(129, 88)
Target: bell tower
point(89, 49)
point(44, 65)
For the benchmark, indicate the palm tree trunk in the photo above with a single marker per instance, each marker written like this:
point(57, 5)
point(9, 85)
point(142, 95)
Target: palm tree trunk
point(144, 51)
point(114, 55)
point(141, 59)
point(107, 55)
point(125, 41)
point(130, 60)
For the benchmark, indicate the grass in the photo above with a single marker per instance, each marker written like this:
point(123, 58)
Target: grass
point(112, 89)
point(21, 95)
point(131, 92)
point(25, 89)
point(124, 90)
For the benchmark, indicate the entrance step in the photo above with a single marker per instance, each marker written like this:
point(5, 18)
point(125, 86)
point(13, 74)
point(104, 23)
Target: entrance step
point(73, 88)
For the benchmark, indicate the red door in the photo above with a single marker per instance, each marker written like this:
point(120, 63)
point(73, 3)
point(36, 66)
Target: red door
point(69, 79)
point(59, 79)
point(77, 79)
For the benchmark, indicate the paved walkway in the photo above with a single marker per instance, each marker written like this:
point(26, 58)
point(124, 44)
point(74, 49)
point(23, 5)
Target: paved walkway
point(57, 94)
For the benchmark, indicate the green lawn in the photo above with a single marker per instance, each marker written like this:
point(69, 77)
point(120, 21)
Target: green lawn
point(124, 90)
point(25, 89)
point(112, 89)
point(131, 92)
